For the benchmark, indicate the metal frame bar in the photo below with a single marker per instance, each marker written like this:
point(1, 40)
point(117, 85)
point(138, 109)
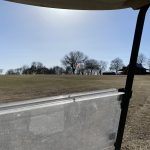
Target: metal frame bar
point(130, 76)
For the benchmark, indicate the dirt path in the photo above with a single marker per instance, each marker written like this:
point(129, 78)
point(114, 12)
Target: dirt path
point(137, 133)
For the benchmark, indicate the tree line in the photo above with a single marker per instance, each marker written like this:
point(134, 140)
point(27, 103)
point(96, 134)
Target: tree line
point(35, 68)
point(76, 62)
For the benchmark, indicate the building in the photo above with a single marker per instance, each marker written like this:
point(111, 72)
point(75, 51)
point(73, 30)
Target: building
point(140, 70)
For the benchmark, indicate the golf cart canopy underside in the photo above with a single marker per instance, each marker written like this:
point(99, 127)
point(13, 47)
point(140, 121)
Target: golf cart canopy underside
point(87, 4)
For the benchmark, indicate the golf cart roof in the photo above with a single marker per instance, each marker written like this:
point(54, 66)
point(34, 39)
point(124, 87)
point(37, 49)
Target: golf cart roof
point(86, 4)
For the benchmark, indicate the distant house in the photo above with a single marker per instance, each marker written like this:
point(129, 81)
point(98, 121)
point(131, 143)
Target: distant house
point(140, 70)
point(80, 68)
point(109, 73)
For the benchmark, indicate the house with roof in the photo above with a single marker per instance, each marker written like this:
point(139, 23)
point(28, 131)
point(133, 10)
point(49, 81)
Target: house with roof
point(140, 70)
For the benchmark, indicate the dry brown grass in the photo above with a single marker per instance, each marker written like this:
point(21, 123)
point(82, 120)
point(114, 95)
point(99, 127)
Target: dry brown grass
point(17, 88)
point(137, 133)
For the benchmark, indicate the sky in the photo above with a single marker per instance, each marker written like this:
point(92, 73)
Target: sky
point(30, 33)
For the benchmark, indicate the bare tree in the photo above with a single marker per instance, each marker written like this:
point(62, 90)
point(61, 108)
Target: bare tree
point(36, 65)
point(141, 59)
point(116, 64)
point(11, 72)
point(72, 59)
point(68, 70)
point(148, 63)
point(91, 65)
point(1, 71)
point(18, 71)
point(102, 66)
point(58, 70)
point(24, 68)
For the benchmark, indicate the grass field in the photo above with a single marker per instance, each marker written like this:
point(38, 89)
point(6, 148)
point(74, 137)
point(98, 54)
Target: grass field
point(16, 88)
point(137, 133)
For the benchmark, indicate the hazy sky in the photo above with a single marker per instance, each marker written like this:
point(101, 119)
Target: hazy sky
point(29, 33)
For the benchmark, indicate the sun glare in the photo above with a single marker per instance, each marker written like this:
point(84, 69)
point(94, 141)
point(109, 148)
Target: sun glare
point(62, 12)
point(63, 16)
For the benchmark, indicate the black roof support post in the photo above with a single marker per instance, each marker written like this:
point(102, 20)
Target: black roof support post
point(130, 77)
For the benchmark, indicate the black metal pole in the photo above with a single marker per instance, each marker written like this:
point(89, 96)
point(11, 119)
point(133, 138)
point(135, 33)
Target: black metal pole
point(130, 76)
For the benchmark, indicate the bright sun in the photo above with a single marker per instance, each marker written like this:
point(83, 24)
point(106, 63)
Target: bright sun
point(63, 15)
point(61, 11)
